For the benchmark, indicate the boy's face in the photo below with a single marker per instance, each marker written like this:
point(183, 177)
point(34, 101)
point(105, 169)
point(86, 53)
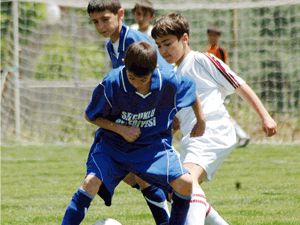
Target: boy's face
point(171, 48)
point(143, 19)
point(141, 84)
point(213, 37)
point(107, 23)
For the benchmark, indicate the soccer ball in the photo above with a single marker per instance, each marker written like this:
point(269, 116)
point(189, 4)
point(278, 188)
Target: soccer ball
point(53, 14)
point(107, 221)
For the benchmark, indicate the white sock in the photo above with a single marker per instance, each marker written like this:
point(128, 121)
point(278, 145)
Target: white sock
point(213, 217)
point(198, 208)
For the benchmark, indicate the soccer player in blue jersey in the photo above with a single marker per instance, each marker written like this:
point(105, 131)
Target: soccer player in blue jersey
point(107, 16)
point(134, 107)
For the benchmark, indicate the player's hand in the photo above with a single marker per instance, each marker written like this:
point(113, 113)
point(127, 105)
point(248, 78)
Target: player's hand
point(198, 129)
point(130, 134)
point(269, 126)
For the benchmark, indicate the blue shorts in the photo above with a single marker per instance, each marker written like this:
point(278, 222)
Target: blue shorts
point(157, 164)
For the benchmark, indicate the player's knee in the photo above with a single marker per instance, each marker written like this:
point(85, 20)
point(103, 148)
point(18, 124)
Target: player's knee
point(91, 184)
point(183, 185)
point(197, 172)
point(143, 184)
point(130, 179)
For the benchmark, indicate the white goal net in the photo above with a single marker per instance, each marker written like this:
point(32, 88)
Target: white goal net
point(52, 58)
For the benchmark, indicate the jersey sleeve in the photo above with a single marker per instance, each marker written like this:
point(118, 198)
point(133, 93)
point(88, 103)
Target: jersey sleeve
point(186, 92)
point(130, 40)
point(100, 104)
point(227, 80)
point(134, 36)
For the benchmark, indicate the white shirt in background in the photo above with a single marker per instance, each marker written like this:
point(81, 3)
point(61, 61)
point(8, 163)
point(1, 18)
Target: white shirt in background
point(148, 31)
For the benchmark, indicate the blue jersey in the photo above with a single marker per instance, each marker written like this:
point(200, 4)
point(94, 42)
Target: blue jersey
point(117, 100)
point(127, 37)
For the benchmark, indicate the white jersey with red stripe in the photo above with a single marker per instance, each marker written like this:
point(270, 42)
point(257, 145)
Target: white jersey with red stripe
point(214, 81)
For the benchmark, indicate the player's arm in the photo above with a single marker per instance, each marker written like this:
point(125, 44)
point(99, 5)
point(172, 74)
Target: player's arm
point(100, 108)
point(176, 125)
point(130, 134)
point(199, 127)
point(268, 124)
point(230, 82)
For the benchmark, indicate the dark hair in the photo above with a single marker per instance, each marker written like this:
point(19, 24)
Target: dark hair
point(102, 5)
point(145, 6)
point(140, 58)
point(171, 24)
point(214, 29)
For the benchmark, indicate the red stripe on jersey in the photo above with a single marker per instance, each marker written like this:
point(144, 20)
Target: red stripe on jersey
point(229, 77)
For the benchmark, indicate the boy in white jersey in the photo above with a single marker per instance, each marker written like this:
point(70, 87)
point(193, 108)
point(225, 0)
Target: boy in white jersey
point(214, 81)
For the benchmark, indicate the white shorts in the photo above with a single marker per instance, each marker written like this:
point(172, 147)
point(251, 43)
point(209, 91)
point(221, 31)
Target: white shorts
point(210, 150)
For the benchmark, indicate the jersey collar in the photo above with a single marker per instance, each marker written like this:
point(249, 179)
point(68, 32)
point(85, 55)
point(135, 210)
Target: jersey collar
point(123, 35)
point(122, 39)
point(156, 82)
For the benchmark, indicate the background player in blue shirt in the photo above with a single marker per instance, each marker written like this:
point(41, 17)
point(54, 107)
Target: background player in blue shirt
point(107, 16)
point(135, 106)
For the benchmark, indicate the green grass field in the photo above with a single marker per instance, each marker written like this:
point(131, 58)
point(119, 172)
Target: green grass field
point(38, 181)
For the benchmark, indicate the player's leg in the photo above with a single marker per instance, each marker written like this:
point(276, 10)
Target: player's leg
point(162, 166)
point(131, 181)
point(200, 211)
point(81, 200)
point(155, 197)
point(214, 218)
point(156, 201)
point(182, 190)
point(198, 204)
point(102, 173)
point(203, 156)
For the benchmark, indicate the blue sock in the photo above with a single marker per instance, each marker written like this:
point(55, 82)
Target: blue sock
point(180, 207)
point(77, 208)
point(156, 200)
